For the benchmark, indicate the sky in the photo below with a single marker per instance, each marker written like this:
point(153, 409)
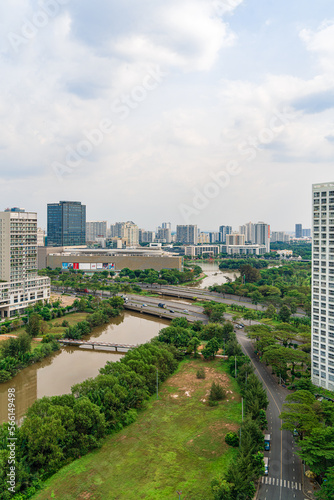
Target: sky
point(207, 112)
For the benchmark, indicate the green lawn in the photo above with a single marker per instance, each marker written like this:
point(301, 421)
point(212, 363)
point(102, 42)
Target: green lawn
point(177, 443)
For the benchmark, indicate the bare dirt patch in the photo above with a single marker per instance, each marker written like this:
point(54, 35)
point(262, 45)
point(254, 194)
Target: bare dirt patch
point(186, 385)
point(64, 299)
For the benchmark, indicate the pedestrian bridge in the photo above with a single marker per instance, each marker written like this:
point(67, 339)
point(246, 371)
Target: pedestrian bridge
point(94, 345)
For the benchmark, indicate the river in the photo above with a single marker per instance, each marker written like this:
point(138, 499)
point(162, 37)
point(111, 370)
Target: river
point(214, 276)
point(56, 374)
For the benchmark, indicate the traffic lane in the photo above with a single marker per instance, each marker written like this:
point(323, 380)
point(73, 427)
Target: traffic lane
point(166, 312)
point(285, 470)
point(168, 304)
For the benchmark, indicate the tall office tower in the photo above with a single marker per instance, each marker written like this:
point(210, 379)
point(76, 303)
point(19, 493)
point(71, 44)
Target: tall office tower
point(322, 353)
point(166, 225)
point(235, 239)
point(66, 224)
point(96, 229)
point(299, 231)
point(262, 235)
point(187, 234)
point(224, 230)
point(214, 237)
point(306, 233)
point(164, 233)
point(20, 286)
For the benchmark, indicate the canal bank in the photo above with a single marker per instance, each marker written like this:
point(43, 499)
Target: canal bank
point(56, 374)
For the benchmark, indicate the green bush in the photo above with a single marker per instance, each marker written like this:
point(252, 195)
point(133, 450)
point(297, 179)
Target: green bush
point(200, 373)
point(232, 439)
point(217, 393)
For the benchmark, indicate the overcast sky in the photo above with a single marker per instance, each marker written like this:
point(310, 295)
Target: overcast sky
point(207, 112)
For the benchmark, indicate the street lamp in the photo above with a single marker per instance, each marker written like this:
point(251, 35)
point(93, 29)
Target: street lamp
point(157, 383)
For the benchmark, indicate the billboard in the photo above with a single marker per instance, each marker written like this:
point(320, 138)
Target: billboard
point(88, 266)
point(84, 266)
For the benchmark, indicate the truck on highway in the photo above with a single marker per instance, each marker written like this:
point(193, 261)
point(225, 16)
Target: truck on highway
point(161, 305)
point(266, 466)
point(267, 442)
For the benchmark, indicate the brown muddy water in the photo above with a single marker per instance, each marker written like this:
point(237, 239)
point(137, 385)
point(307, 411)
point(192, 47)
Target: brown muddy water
point(56, 375)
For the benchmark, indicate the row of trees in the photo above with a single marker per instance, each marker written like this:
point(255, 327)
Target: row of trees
point(314, 421)
point(284, 348)
point(288, 285)
point(59, 429)
point(238, 483)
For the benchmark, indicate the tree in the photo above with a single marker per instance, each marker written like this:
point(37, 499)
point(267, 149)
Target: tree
point(194, 344)
point(250, 273)
point(211, 349)
point(284, 314)
point(33, 325)
point(270, 311)
point(327, 488)
point(299, 413)
point(256, 297)
point(317, 449)
point(217, 393)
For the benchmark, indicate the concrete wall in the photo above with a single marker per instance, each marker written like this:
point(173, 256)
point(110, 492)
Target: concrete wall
point(121, 261)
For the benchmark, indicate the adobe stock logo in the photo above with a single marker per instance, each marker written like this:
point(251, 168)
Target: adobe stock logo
point(210, 190)
point(49, 9)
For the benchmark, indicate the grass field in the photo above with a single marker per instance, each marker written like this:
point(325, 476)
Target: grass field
point(177, 443)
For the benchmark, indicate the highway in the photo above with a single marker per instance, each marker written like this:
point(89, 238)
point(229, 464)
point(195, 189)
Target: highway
point(285, 478)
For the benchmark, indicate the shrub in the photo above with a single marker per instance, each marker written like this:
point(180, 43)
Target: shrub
point(232, 439)
point(65, 324)
point(200, 373)
point(217, 393)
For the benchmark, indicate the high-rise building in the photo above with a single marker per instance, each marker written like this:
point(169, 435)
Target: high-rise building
point(279, 236)
point(146, 236)
point(128, 231)
point(40, 237)
point(322, 352)
point(66, 224)
point(306, 233)
point(262, 235)
point(187, 234)
point(20, 286)
point(224, 231)
point(164, 233)
point(235, 239)
point(299, 231)
point(249, 231)
point(96, 229)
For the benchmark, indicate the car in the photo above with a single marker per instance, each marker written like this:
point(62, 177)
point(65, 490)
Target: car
point(144, 305)
point(185, 311)
point(171, 311)
point(241, 325)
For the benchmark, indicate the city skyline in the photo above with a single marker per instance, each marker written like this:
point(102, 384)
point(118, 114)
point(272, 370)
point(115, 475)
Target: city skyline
point(202, 110)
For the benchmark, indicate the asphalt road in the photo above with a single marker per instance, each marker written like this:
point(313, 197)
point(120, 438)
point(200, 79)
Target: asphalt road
point(285, 478)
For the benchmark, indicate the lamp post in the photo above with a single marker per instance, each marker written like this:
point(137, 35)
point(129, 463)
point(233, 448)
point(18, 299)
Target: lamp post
point(157, 383)
point(235, 366)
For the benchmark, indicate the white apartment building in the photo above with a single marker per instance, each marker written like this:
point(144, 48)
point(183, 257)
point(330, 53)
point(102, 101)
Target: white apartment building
point(20, 286)
point(96, 229)
point(235, 239)
point(197, 250)
point(187, 234)
point(323, 286)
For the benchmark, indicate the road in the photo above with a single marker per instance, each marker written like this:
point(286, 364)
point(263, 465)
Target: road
point(203, 294)
point(285, 478)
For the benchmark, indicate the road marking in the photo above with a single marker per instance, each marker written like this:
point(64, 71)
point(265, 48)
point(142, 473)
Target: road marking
point(284, 483)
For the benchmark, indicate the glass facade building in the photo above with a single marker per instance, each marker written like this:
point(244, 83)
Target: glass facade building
point(66, 224)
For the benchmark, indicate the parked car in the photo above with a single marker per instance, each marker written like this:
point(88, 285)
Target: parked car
point(171, 311)
point(185, 311)
point(144, 305)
